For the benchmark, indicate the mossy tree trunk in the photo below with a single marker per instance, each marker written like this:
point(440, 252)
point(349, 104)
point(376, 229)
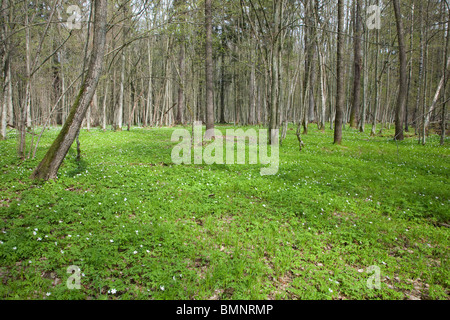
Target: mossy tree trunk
point(49, 166)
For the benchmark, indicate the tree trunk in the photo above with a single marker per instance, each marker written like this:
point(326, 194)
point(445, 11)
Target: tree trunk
point(105, 98)
point(340, 97)
point(273, 126)
point(49, 166)
point(357, 66)
point(180, 112)
point(436, 95)
point(403, 85)
point(444, 115)
point(149, 106)
point(252, 109)
point(377, 83)
point(209, 72)
point(222, 83)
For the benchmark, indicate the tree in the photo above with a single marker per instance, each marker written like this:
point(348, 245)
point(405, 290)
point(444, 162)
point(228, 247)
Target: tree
point(403, 81)
point(357, 65)
point(49, 166)
point(209, 72)
point(340, 98)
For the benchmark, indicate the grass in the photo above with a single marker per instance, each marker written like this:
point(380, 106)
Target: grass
point(134, 222)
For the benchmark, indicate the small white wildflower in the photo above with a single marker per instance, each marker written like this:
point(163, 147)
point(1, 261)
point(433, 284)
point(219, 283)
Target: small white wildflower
point(14, 248)
point(39, 239)
point(134, 252)
point(162, 288)
point(62, 251)
point(48, 294)
point(113, 291)
point(34, 233)
point(330, 290)
point(111, 240)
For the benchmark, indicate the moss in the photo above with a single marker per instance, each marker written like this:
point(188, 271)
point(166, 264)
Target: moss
point(43, 170)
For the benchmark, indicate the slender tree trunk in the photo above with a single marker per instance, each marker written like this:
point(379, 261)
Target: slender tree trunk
point(252, 109)
point(149, 106)
point(437, 94)
point(4, 105)
point(377, 83)
point(420, 76)
point(49, 166)
point(273, 126)
point(119, 115)
point(403, 85)
point(105, 99)
point(180, 112)
point(28, 67)
point(6, 74)
point(209, 72)
point(340, 97)
point(410, 70)
point(222, 83)
point(444, 114)
point(357, 66)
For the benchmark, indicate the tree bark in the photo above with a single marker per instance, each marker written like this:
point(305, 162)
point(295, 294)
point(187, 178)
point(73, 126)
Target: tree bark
point(209, 72)
point(354, 114)
point(180, 112)
point(403, 84)
point(340, 97)
point(273, 126)
point(437, 94)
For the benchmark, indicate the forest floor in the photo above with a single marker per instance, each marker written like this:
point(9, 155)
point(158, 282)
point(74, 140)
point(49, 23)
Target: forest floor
point(140, 227)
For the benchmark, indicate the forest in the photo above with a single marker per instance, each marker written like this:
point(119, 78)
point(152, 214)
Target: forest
point(348, 97)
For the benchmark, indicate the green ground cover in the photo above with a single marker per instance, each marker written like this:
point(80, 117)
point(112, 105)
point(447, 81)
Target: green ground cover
point(140, 227)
